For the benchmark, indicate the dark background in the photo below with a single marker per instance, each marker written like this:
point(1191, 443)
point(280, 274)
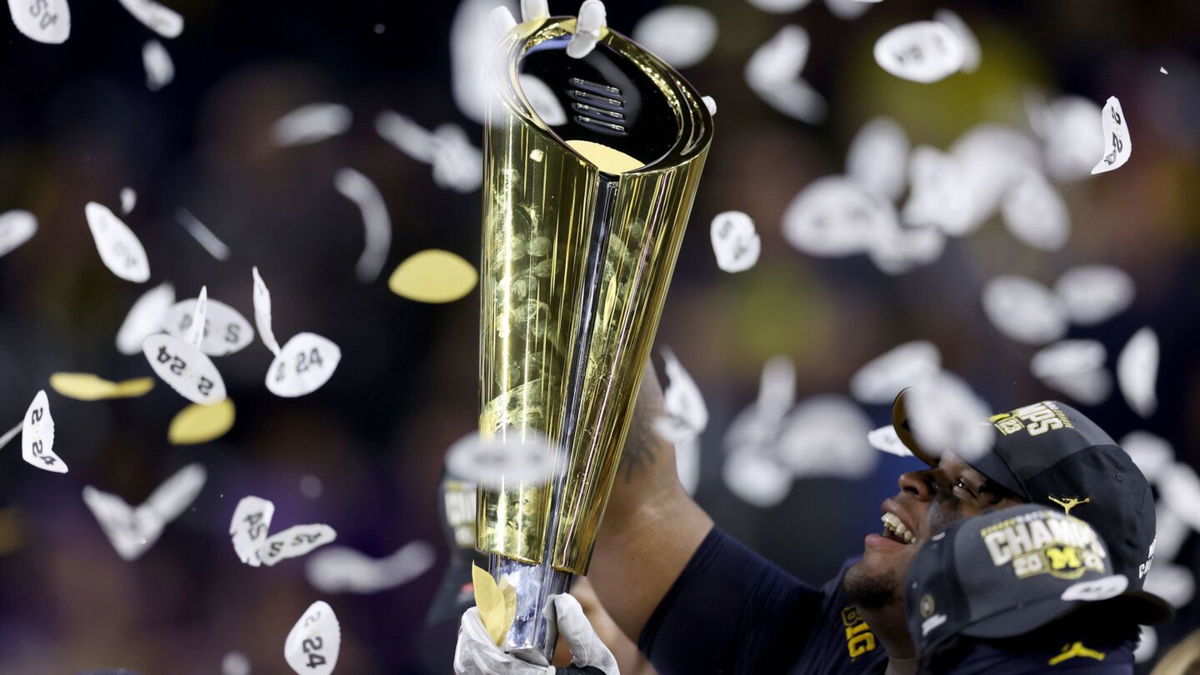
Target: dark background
point(77, 124)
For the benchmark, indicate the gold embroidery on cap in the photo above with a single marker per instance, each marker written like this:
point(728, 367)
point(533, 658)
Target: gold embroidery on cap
point(1075, 649)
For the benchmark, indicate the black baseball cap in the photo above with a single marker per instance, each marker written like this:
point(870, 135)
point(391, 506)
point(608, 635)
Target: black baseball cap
point(1010, 572)
point(1050, 453)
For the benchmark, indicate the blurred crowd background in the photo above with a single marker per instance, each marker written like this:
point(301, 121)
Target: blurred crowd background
point(77, 124)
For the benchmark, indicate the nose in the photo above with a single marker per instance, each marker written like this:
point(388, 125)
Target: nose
point(918, 484)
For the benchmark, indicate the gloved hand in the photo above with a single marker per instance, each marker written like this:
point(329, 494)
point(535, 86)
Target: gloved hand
point(476, 654)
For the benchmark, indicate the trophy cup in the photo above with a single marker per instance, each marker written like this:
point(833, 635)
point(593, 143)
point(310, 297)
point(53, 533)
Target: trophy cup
point(582, 223)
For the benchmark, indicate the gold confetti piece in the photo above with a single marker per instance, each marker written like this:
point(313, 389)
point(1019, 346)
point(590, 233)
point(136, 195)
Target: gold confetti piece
point(201, 423)
point(609, 160)
point(433, 276)
point(497, 603)
point(89, 387)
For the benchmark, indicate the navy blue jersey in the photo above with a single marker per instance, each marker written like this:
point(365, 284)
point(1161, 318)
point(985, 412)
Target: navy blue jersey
point(731, 611)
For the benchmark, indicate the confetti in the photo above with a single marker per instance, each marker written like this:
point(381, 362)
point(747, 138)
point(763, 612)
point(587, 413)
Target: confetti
point(472, 42)
point(235, 663)
point(1069, 133)
point(338, 569)
point(204, 236)
point(313, 644)
point(1076, 368)
point(497, 463)
point(457, 165)
point(906, 365)
point(710, 103)
point(991, 159)
point(89, 387)
point(886, 439)
point(966, 38)
point(496, 611)
point(878, 158)
point(1162, 70)
point(262, 313)
point(118, 246)
point(434, 276)
point(502, 19)
point(16, 228)
point(303, 366)
point(10, 434)
point(1036, 214)
point(735, 241)
point(1137, 372)
point(687, 464)
point(685, 415)
point(226, 331)
point(134, 530)
point(295, 541)
point(589, 28)
point(1024, 310)
point(128, 200)
point(756, 478)
point(1147, 644)
point(180, 363)
point(144, 318)
point(1118, 146)
point(1094, 293)
point(249, 531)
point(939, 196)
point(158, 18)
point(201, 423)
point(904, 248)
point(834, 216)
point(1179, 490)
point(776, 390)
point(37, 436)
point(773, 72)
point(827, 436)
point(1152, 454)
point(779, 6)
point(1170, 530)
point(848, 9)
point(407, 136)
point(311, 123)
point(946, 416)
point(377, 225)
point(922, 51)
point(681, 35)
point(543, 100)
point(1174, 583)
point(534, 10)
point(160, 70)
point(45, 21)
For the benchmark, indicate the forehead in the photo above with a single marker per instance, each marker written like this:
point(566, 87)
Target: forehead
point(953, 465)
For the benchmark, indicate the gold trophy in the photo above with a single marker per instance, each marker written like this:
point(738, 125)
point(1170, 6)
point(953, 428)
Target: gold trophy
point(582, 223)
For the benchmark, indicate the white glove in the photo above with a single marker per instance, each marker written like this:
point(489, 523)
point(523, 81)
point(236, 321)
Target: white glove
point(476, 654)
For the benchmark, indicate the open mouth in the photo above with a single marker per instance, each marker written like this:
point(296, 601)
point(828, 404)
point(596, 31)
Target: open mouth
point(895, 530)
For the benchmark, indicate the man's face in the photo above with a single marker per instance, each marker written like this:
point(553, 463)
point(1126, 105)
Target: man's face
point(929, 501)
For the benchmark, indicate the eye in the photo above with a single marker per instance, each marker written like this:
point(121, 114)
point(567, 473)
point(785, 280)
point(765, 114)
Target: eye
point(961, 484)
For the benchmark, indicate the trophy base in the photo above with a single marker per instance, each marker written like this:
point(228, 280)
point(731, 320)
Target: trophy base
point(534, 629)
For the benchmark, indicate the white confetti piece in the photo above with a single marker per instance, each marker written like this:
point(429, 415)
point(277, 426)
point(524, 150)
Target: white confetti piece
point(1076, 368)
point(195, 333)
point(684, 414)
point(1137, 372)
point(1094, 293)
point(885, 439)
point(1070, 135)
point(1162, 70)
point(377, 226)
point(847, 9)
point(311, 123)
point(1147, 644)
point(226, 331)
point(776, 390)
point(128, 200)
point(37, 436)
point(457, 164)
point(589, 28)
point(473, 35)
point(939, 196)
point(1118, 146)
point(303, 366)
point(543, 100)
point(407, 136)
point(503, 20)
point(827, 436)
point(119, 247)
point(1170, 530)
point(687, 464)
point(16, 228)
point(45, 21)
point(904, 248)
point(160, 69)
point(204, 236)
point(756, 478)
point(1036, 214)
point(735, 241)
point(262, 313)
point(946, 416)
point(534, 10)
point(834, 216)
point(710, 103)
point(183, 366)
point(11, 434)
point(682, 35)
point(498, 463)
point(313, 644)
point(158, 18)
point(779, 6)
point(773, 72)
point(922, 51)
point(1174, 583)
point(250, 526)
point(1152, 454)
point(294, 542)
point(1179, 491)
point(132, 531)
point(878, 158)
point(906, 365)
point(235, 663)
point(990, 160)
point(339, 569)
point(145, 318)
point(1024, 310)
point(966, 38)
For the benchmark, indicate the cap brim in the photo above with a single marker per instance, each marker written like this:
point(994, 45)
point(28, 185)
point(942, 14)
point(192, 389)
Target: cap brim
point(1136, 606)
point(904, 431)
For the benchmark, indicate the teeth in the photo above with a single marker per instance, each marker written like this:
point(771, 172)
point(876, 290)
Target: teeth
point(892, 524)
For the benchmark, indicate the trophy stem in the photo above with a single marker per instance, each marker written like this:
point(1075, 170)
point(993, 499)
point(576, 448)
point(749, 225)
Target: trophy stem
point(533, 634)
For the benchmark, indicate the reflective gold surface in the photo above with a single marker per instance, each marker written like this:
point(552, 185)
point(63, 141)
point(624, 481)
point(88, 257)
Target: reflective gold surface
point(540, 204)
